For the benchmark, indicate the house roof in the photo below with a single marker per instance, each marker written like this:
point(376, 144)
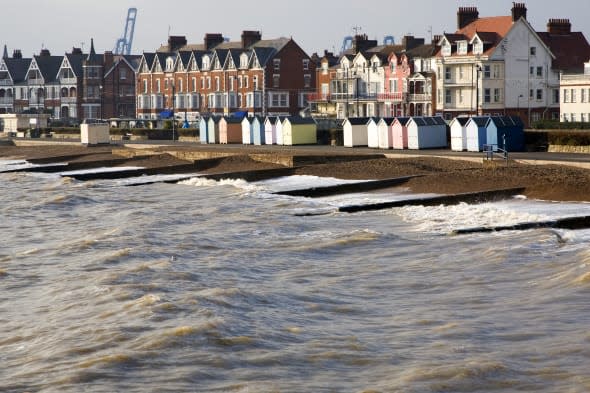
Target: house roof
point(491, 30)
point(49, 66)
point(17, 68)
point(76, 61)
point(571, 50)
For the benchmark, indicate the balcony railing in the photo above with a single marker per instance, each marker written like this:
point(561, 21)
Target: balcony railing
point(69, 100)
point(5, 82)
point(68, 81)
point(420, 97)
point(318, 97)
point(6, 100)
point(398, 96)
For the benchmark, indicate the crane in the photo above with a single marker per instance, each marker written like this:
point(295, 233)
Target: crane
point(123, 45)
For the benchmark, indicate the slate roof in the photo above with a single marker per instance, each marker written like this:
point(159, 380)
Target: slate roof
point(76, 63)
point(18, 68)
point(49, 66)
point(570, 50)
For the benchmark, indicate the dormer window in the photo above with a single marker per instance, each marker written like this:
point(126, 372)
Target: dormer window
point(446, 48)
point(206, 62)
point(243, 60)
point(462, 47)
point(169, 64)
point(477, 46)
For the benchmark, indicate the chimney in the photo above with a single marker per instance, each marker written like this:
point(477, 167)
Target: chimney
point(465, 16)
point(518, 11)
point(436, 39)
point(175, 42)
point(108, 59)
point(17, 54)
point(410, 42)
point(362, 42)
point(212, 40)
point(76, 51)
point(250, 37)
point(559, 26)
point(45, 53)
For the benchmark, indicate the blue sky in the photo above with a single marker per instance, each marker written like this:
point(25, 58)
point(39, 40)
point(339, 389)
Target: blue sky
point(316, 25)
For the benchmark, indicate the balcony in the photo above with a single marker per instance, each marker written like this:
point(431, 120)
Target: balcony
point(69, 100)
point(420, 97)
point(5, 82)
point(6, 100)
point(396, 97)
point(68, 81)
point(317, 97)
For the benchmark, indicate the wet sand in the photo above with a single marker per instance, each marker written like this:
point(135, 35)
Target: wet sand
point(440, 175)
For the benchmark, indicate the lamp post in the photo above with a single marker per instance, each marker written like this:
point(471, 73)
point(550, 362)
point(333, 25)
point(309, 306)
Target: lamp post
point(173, 101)
point(518, 104)
point(477, 72)
point(100, 112)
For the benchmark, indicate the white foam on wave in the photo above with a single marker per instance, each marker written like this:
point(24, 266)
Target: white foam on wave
point(11, 165)
point(298, 182)
point(237, 183)
point(100, 170)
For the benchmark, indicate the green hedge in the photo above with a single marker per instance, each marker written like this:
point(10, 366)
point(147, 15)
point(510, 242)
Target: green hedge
point(557, 137)
point(557, 125)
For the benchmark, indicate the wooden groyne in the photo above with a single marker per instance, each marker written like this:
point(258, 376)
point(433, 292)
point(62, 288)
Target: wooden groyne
point(455, 199)
point(582, 222)
point(348, 188)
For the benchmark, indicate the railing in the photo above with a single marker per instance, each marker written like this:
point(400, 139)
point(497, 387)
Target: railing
point(6, 100)
point(5, 82)
point(318, 97)
point(69, 100)
point(398, 96)
point(68, 81)
point(420, 97)
point(489, 150)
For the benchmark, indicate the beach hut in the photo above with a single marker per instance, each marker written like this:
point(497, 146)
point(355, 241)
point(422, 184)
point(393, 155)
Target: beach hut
point(373, 134)
point(476, 130)
point(399, 132)
point(459, 133)
point(299, 130)
point(213, 130)
point(230, 130)
point(203, 124)
point(270, 130)
point(507, 130)
point(427, 132)
point(385, 132)
point(247, 134)
point(279, 129)
point(258, 131)
point(356, 132)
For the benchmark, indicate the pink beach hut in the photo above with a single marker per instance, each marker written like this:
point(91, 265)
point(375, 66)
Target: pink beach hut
point(399, 132)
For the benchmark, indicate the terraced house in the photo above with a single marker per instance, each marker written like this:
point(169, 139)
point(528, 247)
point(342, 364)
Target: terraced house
point(69, 87)
point(253, 76)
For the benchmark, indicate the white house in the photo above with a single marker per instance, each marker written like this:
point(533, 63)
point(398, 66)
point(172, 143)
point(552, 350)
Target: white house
point(575, 96)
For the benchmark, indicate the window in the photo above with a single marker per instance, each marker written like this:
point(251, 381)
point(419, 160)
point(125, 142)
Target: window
point(446, 49)
point(240, 82)
point(165, 84)
point(539, 94)
point(255, 82)
point(533, 51)
point(477, 47)
point(532, 71)
point(145, 86)
point(246, 82)
point(487, 96)
point(243, 60)
point(276, 64)
point(461, 96)
point(208, 82)
point(531, 94)
point(461, 73)
point(462, 47)
point(231, 83)
point(206, 62)
point(497, 95)
point(539, 72)
point(325, 68)
point(307, 80)
point(487, 72)
point(395, 87)
point(305, 64)
point(573, 95)
point(217, 85)
point(566, 96)
point(583, 117)
point(158, 86)
point(169, 64)
point(194, 80)
point(573, 117)
point(123, 73)
point(448, 96)
point(583, 95)
point(279, 100)
point(447, 73)
point(497, 74)
point(556, 96)
point(276, 80)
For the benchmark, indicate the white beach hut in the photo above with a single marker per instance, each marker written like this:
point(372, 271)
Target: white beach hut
point(386, 132)
point(356, 132)
point(373, 133)
point(247, 131)
point(459, 133)
point(476, 130)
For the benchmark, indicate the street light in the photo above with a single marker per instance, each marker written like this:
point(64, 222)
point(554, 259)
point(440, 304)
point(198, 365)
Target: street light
point(518, 104)
point(100, 97)
point(173, 100)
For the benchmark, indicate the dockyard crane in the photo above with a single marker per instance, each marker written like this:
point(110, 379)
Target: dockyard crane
point(123, 45)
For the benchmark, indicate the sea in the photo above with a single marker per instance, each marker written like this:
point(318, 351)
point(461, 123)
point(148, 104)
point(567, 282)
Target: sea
point(224, 286)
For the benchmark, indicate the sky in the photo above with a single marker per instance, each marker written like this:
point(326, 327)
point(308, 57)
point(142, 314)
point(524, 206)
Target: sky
point(60, 25)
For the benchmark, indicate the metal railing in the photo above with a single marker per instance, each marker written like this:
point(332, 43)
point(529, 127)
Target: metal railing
point(490, 150)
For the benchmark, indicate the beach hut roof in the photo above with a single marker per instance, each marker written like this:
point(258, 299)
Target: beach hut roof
point(461, 120)
point(301, 120)
point(387, 120)
point(403, 120)
point(358, 121)
point(233, 120)
point(481, 121)
point(420, 121)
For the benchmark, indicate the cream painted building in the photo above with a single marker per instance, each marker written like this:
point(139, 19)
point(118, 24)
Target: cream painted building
point(575, 96)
